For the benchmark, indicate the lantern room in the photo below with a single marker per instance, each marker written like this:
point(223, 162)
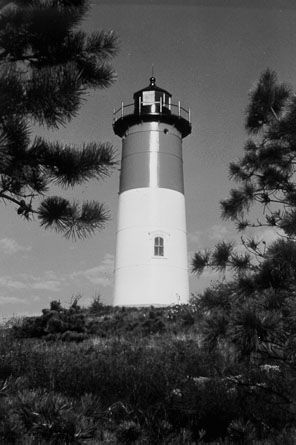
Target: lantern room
point(152, 100)
point(152, 104)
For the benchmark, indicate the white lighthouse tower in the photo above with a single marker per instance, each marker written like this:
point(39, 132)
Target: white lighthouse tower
point(151, 251)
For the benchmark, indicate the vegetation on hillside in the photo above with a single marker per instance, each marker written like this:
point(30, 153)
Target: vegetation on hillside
point(138, 375)
point(77, 323)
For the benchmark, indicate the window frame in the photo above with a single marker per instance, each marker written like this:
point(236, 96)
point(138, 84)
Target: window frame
point(158, 246)
point(166, 239)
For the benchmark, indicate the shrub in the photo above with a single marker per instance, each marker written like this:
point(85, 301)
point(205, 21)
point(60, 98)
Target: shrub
point(37, 416)
point(128, 432)
point(56, 306)
point(240, 431)
point(105, 321)
point(53, 322)
point(96, 306)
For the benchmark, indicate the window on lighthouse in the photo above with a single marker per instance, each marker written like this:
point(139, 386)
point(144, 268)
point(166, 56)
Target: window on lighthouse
point(148, 97)
point(158, 246)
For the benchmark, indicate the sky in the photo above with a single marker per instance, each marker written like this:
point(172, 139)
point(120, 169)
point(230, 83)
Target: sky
point(206, 53)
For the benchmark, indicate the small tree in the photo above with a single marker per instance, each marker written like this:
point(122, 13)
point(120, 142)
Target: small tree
point(46, 66)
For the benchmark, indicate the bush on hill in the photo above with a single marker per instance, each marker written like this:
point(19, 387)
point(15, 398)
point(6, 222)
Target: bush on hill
point(77, 324)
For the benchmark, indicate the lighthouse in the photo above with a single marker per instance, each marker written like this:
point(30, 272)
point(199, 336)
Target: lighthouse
point(151, 242)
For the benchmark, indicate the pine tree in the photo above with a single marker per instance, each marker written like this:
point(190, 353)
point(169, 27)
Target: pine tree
point(265, 176)
point(266, 171)
point(47, 64)
point(251, 319)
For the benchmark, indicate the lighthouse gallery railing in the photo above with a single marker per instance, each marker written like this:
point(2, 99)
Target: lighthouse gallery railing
point(129, 109)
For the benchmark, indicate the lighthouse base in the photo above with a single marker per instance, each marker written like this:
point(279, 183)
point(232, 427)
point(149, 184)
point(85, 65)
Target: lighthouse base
point(151, 258)
point(150, 292)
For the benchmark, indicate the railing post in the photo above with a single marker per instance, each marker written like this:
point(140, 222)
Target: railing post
point(179, 108)
point(189, 115)
point(170, 103)
point(121, 109)
point(160, 104)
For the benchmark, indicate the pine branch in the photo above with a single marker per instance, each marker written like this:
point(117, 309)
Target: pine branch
point(288, 223)
point(71, 219)
point(11, 93)
point(221, 256)
point(54, 94)
point(200, 261)
point(240, 263)
point(102, 44)
point(68, 166)
point(94, 75)
point(252, 246)
point(267, 100)
point(242, 224)
point(24, 208)
point(238, 202)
